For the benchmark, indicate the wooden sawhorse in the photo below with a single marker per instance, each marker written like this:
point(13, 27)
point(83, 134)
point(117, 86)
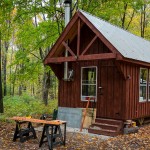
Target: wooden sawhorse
point(51, 130)
point(24, 133)
point(54, 135)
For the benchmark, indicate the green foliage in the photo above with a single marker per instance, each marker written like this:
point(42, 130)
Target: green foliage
point(26, 105)
point(30, 28)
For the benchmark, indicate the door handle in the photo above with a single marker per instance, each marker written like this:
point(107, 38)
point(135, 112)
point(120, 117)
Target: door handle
point(101, 90)
point(100, 87)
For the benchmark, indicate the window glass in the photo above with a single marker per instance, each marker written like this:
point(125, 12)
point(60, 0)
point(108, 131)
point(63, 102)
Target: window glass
point(149, 86)
point(88, 83)
point(143, 84)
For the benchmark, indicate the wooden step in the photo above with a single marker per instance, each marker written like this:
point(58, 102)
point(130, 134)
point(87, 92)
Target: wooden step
point(104, 132)
point(109, 127)
point(106, 126)
point(109, 121)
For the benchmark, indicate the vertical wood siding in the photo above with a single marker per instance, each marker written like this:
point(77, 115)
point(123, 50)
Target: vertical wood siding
point(134, 108)
point(119, 98)
point(109, 101)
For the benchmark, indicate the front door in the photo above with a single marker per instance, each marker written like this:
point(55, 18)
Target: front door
point(108, 103)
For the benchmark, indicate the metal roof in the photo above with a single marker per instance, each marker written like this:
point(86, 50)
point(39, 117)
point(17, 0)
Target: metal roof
point(128, 44)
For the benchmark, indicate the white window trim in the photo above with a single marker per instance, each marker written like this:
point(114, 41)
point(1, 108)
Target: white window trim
point(87, 84)
point(148, 85)
point(144, 100)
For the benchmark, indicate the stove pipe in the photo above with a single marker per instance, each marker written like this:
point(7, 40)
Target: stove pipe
point(67, 19)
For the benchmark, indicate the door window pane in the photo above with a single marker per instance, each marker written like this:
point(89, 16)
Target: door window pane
point(143, 84)
point(88, 83)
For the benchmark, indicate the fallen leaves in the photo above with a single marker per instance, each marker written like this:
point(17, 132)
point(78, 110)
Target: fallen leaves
point(137, 141)
point(78, 141)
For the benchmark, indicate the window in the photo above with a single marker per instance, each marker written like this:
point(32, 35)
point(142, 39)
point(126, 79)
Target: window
point(144, 84)
point(149, 86)
point(88, 83)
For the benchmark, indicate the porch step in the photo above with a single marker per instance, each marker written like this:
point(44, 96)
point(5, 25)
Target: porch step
point(109, 127)
point(109, 121)
point(104, 132)
point(105, 126)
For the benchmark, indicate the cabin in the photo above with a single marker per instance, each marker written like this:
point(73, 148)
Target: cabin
point(101, 63)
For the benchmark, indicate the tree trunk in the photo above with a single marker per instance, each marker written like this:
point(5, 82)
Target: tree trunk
point(4, 68)
point(143, 20)
point(124, 15)
point(32, 89)
point(13, 81)
point(46, 86)
point(10, 71)
point(1, 93)
point(20, 90)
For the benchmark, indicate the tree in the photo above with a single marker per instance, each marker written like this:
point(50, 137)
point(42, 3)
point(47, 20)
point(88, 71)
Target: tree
point(1, 92)
point(43, 21)
point(29, 29)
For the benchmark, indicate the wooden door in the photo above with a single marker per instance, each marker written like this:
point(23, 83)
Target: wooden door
point(108, 94)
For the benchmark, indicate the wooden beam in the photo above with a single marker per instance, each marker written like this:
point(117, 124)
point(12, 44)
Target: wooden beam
point(59, 59)
point(88, 46)
point(98, 33)
point(97, 56)
point(68, 48)
point(120, 69)
point(137, 62)
point(63, 35)
point(78, 37)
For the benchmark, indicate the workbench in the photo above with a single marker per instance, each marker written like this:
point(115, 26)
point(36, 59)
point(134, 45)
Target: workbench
point(51, 131)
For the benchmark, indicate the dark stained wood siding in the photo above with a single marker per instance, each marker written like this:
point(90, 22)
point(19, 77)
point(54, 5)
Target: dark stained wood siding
point(119, 98)
point(109, 101)
point(70, 92)
point(86, 37)
point(134, 108)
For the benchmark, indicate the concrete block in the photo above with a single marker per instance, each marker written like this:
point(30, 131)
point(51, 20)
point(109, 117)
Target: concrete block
point(131, 130)
point(73, 116)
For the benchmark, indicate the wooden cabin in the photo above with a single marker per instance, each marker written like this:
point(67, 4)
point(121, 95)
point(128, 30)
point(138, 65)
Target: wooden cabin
point(105, 63)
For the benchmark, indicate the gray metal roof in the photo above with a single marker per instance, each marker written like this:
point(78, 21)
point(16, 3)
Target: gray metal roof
point(128, 44)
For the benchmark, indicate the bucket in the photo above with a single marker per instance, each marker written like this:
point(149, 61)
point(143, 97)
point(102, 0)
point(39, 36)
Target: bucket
point(133, 123)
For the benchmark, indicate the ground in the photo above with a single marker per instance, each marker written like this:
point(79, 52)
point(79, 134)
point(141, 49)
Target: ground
point(78, 141)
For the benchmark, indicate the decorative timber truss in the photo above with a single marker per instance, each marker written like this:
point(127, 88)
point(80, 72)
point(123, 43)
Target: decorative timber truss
point(72, 34)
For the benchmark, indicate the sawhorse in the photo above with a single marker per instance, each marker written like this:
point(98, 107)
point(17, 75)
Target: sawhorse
point(54, 135)
point(53, 126)
point(24, 133)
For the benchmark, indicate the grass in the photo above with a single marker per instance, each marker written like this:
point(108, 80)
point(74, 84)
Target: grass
point(25, 105)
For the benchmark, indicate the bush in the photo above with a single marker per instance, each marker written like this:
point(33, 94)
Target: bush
point(26, 105)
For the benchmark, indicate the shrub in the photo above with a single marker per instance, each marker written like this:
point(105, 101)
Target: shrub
point(26, 105)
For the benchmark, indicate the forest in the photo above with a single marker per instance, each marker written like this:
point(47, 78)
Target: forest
point(29, 28)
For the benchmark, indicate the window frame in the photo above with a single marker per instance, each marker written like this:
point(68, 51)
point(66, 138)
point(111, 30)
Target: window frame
point(147, 86)
point(81, 96)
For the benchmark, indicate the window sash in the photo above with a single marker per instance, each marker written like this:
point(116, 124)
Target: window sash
point(143, 90)
point(89, 83)
point(149, 85)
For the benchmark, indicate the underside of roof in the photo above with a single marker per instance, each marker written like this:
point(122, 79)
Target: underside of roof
point(129, 45)
point(121, 43)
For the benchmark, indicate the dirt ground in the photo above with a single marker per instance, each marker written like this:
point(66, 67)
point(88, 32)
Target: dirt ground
point(78, 141)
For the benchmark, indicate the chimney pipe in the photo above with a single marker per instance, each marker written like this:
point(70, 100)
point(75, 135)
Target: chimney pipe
point(67, 19)
point(67, 11)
